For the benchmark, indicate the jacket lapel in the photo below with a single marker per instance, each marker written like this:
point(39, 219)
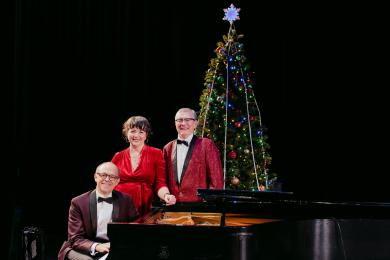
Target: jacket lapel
point(93, 211)
point(115, 206)
point(174, 153)
point(188, 157)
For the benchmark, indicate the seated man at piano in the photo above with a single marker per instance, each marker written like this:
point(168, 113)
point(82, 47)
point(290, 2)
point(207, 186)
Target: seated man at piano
point(89, 214)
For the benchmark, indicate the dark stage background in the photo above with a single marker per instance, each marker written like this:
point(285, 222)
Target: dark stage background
point(81, 68)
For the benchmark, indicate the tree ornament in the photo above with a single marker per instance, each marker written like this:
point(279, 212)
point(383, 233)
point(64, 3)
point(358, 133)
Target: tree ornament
point(233, 155)
point(221, 50)
point(235, 181)
point(220, 98)
point(220, 80)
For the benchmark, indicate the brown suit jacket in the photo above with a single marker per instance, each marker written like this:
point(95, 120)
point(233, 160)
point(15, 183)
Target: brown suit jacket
point(202, 169)
point(83, 217)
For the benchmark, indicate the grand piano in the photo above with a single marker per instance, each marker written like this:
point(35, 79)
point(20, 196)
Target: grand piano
point(245, 225)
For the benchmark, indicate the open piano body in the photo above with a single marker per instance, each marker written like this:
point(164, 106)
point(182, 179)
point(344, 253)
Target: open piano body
point(256, 225)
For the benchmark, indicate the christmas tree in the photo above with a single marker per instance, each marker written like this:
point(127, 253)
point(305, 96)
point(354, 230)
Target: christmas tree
point(231, 117)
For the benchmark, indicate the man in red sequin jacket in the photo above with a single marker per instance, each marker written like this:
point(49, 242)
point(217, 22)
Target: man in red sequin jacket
point(191, 162)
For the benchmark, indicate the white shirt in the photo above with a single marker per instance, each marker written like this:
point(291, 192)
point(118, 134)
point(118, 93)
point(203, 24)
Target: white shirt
point(181, 153)
point(104, 216)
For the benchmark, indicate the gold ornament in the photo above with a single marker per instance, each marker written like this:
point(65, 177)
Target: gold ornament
point(235, 181)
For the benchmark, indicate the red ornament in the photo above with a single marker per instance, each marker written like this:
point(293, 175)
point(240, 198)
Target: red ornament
point(252, 118)
point(233, 155)
point(237, 124)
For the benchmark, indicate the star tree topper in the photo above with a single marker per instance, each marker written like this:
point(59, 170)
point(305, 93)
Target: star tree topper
point(231, 13)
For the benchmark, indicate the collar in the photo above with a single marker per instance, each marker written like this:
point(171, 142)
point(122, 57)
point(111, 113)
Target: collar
point(188, 139)
point(100, 195)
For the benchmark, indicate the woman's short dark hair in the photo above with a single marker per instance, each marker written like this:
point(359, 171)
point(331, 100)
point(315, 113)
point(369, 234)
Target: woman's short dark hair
point(139, 122)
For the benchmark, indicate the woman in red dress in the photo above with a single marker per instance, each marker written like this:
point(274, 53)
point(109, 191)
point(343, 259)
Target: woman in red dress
point(142, 167)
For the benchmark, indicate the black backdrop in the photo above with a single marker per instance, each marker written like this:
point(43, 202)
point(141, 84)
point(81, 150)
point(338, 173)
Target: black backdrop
point(80, 68)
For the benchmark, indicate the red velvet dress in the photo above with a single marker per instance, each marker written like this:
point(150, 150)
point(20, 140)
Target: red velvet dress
point(147, 178)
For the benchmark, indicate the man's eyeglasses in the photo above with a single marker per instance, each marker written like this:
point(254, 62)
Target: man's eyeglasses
point(181, 120)
point(105, 175)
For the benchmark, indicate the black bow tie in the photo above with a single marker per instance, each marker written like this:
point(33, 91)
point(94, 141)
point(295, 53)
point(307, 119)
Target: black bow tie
point(178, 141)
point(108, 200)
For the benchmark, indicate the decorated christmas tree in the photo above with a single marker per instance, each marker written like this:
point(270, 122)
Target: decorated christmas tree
point(230, 114)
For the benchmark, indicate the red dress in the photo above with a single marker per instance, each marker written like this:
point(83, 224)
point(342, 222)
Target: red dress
point(142, 183)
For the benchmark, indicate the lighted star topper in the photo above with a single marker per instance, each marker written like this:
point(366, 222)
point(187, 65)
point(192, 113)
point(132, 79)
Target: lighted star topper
point(231, 13)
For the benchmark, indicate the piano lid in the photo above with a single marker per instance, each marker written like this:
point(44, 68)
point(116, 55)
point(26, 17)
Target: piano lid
point(243, 195)
point(285, 203)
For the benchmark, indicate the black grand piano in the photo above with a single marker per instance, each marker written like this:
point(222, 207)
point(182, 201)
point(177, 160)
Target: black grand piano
point(256, 225)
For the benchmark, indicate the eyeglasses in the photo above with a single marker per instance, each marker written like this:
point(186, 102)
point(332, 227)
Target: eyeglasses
point(105, 175)
point(180, 120)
